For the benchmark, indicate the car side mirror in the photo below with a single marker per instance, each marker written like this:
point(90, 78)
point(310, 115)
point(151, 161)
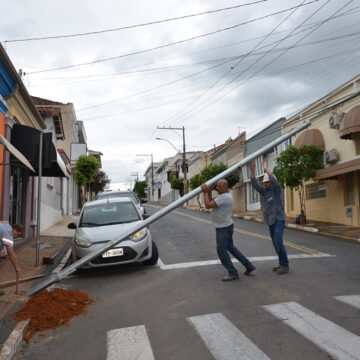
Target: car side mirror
point(72, 226)
point(145, 216)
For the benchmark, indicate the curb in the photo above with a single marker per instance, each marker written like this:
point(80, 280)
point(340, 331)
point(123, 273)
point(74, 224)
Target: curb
point(12, 344)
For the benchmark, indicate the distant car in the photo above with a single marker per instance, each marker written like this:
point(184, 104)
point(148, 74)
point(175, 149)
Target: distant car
point(124, 193)
point(101, 221)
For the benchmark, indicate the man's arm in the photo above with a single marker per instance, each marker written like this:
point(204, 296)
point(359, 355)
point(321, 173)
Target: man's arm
point(209, 201)
point(12, 258)
point(254, 182)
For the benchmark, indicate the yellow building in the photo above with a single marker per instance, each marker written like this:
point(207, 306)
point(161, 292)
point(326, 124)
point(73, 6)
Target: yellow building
point(334, 194)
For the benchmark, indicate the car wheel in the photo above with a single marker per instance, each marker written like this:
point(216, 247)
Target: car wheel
point(154, 257)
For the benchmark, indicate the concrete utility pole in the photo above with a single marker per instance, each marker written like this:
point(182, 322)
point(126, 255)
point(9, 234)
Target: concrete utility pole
point(135, 173)
point(184, 165)
point(152, 173)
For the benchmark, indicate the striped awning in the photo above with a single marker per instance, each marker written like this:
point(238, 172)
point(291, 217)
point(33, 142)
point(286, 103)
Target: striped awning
point(332, 172)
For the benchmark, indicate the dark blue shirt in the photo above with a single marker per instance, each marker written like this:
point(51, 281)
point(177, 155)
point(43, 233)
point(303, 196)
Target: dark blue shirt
point(273, 209)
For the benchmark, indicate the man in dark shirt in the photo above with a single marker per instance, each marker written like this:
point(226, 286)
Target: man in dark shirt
point(274, 214)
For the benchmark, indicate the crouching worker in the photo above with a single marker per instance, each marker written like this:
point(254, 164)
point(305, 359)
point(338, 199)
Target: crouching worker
point(7, 235)
point(274, 214)
point(221, 218)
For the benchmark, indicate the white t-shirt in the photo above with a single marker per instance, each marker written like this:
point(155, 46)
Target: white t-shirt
point(221, 214)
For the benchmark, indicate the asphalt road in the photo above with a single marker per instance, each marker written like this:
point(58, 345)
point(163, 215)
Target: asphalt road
point(182, 309)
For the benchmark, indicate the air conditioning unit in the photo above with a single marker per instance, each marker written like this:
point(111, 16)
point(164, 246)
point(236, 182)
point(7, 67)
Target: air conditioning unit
point(331, 156)
point(335, 120)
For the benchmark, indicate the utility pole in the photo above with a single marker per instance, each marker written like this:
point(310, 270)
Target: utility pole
point(152, 173)
point(135, 173)
point(184, 165)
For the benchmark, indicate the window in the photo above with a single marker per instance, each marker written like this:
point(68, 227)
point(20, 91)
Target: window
point(286, 143)
point(350, 198)
point(253, 195)
point(315, 191)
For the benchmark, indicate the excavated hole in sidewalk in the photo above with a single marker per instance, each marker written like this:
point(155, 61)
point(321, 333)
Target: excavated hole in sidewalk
point(52, 309)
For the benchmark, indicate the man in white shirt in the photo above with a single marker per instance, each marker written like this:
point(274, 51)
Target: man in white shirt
point(221, 218)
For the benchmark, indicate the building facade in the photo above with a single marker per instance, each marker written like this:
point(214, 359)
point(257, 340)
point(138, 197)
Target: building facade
point(334, 193)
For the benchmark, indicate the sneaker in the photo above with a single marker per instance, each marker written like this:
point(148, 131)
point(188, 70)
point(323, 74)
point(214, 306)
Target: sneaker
point(276, 268)
point(249, 270)
point(283, 270)
point(2, 292)
point(230, 277)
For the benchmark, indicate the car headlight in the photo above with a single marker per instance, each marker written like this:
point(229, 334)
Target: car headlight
point(82, 242)
point(139, 235)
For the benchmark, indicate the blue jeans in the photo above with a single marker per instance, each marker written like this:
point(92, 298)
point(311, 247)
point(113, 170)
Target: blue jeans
point(224, 244)
point(276, 233)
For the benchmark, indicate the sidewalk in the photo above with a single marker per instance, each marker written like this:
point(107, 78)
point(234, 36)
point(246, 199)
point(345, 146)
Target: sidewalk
point(345, 232)
point(54, 242)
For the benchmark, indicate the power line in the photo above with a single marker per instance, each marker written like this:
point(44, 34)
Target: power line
point(286, 70)
point(215, 66)
point(266, 65)
point(310, 25)
point(233, 67)
point(133, 26)
point(169, 44)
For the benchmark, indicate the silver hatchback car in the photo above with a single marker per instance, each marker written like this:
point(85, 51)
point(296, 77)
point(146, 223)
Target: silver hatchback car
point(103, 220)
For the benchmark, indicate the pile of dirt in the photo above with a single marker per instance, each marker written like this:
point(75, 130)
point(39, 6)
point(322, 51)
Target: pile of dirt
point(52, 309)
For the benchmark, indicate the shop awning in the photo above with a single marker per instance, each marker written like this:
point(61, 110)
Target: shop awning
point(27, 140)
point(332, 172)
point(350, 124)
point(311, 137)
point(15, 152)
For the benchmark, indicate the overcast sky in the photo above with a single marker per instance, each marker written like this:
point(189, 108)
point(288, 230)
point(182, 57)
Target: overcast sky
point(235, 65)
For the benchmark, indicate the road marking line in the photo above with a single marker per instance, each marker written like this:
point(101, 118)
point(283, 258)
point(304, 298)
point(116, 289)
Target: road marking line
point(253, 258)
point(353, 300)
point(288, 243)
point(332, 338)
point(128, 344)
point(159, 262)
point(224, 340)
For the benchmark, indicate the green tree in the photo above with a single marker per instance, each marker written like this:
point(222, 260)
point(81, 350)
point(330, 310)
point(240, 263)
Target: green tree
point(86, 168)
point(139, 188)
point(195, 182)
point(100, 182)
point(215, 169)
point(208, 173)
point(294, 166)
point(177, 184)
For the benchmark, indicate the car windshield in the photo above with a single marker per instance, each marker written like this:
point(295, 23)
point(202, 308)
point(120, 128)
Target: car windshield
point(109, 214)
point(128, 194)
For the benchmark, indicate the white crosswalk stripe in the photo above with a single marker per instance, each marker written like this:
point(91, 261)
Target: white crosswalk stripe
point(338, 342)
point(353, 300)
point(253, 258)
point(128, 344)
point(224, 340)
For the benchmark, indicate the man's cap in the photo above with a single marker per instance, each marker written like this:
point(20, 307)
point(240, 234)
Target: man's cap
point(266, 178)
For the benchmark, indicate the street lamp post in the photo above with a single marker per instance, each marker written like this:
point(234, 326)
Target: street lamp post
point(184, 167)
point(168, 142)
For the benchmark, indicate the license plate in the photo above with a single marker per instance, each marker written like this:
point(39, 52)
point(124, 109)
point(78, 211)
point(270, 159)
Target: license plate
point(113, 252)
